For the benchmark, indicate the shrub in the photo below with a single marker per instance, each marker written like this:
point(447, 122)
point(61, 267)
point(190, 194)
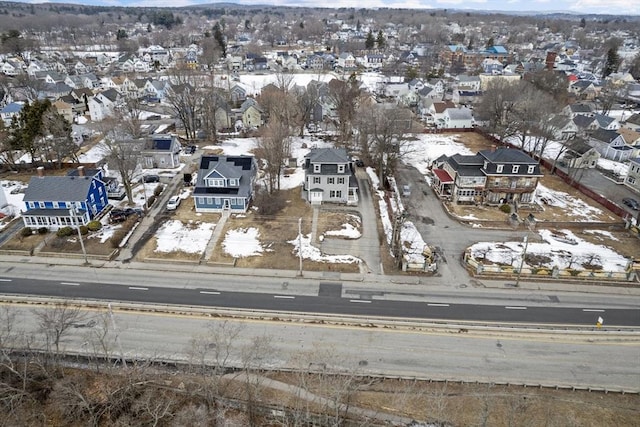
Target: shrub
point(26, 232)
point(64, 232)
point(158, 190)
point(117, 237)
point(150, 201)
point(94, 225)
point(505, 208)
point(269, 204)
point(43, 230)
point(84, 229)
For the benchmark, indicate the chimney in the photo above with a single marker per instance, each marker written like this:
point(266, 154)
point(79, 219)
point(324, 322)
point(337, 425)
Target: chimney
point(80, 170)
point(493, 148)
point(40, 170)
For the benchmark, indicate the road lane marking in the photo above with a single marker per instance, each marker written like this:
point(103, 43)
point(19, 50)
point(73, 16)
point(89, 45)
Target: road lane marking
point(6, 280)
point(70, 283)
point(137, 288)
point(210, 292)
point(515, 307)
point(284, 296)
point(437, 305)
point(595, 310)
point(364, 301)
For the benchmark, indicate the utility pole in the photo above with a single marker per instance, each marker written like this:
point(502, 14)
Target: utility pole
point(396, 244)
point(524, 255)
point(300, 245)
point(74, 220)
point(115, 330)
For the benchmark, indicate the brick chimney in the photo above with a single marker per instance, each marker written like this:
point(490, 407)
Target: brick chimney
point(550, 60)
point(40, 170)
point(80, 170)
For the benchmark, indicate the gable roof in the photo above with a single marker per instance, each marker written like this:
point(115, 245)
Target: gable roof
point(605, 135)
point(579, 146)
point(328, 155)
point(229, 167)
point(58, 188)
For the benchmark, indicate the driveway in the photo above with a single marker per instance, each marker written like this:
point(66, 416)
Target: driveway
point(448, 236)
point(367, 247)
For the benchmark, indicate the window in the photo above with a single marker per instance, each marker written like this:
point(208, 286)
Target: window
point(331, 180)
point(217, 200)
point(316, 180)
point(341, 180)
point(56, 205)
point(32, 205)
point(499, 168)
point(340, 168)
point(316, 168)
point(531, 168)
point(41, 205)
point(335, 194)
point(515, 168)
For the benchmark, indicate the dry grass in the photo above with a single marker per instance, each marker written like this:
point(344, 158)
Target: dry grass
point(333, 220)
point(471, 404)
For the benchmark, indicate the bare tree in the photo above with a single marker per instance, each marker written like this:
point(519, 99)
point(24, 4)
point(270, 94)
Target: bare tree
point(122, 152)
point(129, 116)
point(307, 101)
point(56, 323)
point(57, 146)
point(344, 97)
point(273, 149)
point(186, 96)
point(380, 136)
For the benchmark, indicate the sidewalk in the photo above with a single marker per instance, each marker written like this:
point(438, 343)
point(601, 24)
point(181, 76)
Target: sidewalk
point(275, 278)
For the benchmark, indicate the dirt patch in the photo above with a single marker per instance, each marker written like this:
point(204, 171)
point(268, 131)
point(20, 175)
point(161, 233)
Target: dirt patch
point(330, 221)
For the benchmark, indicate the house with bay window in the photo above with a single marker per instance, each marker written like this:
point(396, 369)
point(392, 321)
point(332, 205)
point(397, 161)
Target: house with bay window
point(225, 183)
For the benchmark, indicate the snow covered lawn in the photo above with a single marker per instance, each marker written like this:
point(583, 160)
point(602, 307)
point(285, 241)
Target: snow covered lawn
point(190, 238)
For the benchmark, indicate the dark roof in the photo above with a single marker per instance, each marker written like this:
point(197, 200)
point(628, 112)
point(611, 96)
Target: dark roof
point(328, 155)
point(579, 146)
point(228, 167)
point(58, 188)
point(583, 121)
point(507, 155)
point(605, 135)
point(467, 165)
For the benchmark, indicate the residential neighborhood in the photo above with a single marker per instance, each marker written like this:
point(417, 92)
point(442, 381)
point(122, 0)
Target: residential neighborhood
point(453, 178)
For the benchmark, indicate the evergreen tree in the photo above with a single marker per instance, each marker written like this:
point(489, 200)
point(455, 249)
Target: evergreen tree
point(490, 42)
point(612, 62)
point(583, 23)
point(217, 34)
point(370, 41)
point(380, 40)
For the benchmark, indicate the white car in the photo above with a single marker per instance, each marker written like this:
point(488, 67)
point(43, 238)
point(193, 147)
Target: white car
point(173, 203)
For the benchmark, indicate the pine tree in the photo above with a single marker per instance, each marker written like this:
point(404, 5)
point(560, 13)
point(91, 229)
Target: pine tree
point(380, 40)
point(370, 41)
point(217, 34)
point(612, 62)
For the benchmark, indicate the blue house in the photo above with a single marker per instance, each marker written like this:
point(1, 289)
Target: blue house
point(59, 201)
point(225, 183)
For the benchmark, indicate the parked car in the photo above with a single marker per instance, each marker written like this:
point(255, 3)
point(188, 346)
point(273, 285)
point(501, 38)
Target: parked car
point(406, 190)
point(121, 215)
point(632, 203)
point(150, 178)
point(173, 203)
point(359, 163)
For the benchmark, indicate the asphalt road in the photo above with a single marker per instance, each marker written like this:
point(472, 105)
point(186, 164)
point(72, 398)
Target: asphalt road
point(328, 301)
point(564, 361)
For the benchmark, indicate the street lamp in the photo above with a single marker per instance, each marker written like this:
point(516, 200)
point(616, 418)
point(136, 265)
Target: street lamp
point(530, 222)
point(74, 220)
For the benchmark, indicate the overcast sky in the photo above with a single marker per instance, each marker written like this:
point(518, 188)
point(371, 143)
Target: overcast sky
point(613, 7)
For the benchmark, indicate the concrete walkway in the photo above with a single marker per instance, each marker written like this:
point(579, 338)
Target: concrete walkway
point(215, 236)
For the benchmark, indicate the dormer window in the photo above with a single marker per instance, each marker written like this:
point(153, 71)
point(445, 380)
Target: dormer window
point(515, 168)
point(316, 168)
point(531, 168)
point(340, 168)
point(499, 168)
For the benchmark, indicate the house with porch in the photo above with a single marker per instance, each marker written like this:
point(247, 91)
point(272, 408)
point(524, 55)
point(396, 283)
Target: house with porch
point(225, 183)
point(329, 177)
point(54, 202)
point(490, 177)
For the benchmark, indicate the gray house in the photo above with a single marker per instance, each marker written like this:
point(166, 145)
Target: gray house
point(581, 155)
point(329, 177)
point(161, 151)
point(225, 183)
